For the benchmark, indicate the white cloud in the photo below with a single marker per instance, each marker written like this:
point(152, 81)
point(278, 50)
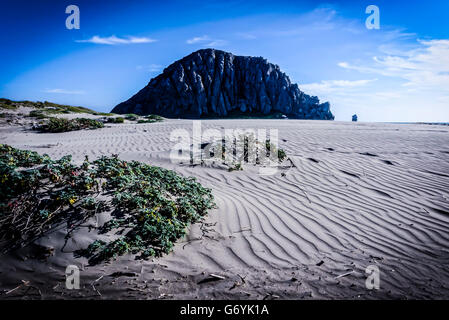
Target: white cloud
point(113, 40)
point(217, 43)
point(425, 67)
point(246, 35)
point(64, 91)
point(198, 39)
point(331, 86)
point(207, 41)
point(413, 84)
point(150, 68)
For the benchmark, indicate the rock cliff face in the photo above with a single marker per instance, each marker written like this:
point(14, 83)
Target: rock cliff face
point(214, 83)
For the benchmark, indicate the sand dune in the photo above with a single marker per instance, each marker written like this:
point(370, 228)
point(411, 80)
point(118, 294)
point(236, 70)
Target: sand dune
point(355, 194)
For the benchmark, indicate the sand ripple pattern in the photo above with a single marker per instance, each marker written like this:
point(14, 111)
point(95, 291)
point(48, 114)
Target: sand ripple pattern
point(356, 194)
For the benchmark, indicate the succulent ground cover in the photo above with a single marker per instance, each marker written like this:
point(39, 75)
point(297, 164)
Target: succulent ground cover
point(131, 117)
point(143, 119)
point(243, 149)
point(150, 119)
point(54, 125)
point(150, 207)
point(115, 120)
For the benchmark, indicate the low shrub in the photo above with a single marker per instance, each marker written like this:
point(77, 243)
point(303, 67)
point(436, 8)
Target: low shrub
point(150, 206)
point(236, 167)
point(63, 125)
point(147, 121)
point(282, 155)
point(151, 119)
point(48, 107)
point(243, 149)
point(55, 108)
point(131, 117)
point(7, 104)
point(106, 114)
point(115, 120)
point(38, 114)
point(154, 117)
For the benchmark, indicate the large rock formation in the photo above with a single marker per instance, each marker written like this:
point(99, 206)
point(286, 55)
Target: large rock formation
point(214, 83)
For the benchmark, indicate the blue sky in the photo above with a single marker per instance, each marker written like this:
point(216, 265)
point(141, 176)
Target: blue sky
point(397, 73)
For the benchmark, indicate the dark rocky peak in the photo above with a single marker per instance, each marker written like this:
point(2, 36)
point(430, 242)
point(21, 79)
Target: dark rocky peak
point(215, 83)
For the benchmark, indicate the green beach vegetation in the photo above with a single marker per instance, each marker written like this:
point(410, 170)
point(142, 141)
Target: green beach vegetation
point(150, 207)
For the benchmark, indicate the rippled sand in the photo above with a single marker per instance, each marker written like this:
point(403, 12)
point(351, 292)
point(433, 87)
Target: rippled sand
point(356, 194)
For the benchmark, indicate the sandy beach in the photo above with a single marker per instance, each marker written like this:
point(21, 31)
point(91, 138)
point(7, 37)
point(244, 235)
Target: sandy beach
point(355, 195)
